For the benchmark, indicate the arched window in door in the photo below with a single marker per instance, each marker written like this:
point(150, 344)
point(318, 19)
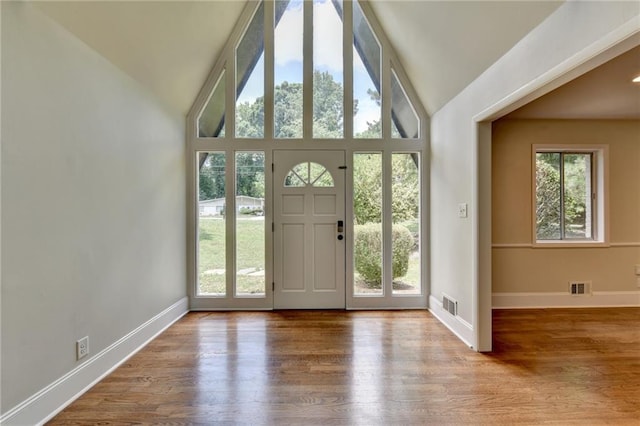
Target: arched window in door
point(308, 174)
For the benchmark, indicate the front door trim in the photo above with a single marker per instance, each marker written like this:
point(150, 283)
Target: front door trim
point(309, 250)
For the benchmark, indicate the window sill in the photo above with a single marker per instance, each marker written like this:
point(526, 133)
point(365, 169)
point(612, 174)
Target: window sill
point(570, 244)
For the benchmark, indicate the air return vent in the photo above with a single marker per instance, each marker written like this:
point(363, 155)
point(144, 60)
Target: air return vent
point(449, 305)
point(580, 288)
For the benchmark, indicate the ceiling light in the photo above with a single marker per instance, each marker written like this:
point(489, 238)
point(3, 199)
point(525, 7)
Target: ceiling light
point(636, 80)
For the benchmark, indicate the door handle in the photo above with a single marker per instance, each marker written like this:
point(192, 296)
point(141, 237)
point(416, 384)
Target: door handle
point(340, 226)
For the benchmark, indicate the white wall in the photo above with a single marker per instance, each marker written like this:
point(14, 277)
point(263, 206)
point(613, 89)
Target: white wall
point(461, 267)
point(93, 203)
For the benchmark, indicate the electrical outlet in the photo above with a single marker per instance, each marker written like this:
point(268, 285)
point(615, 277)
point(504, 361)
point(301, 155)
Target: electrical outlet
point(462, 210)
point(82, 347)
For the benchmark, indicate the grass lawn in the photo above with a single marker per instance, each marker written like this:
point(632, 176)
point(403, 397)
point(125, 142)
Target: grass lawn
point(250, 263)
point(249, 255)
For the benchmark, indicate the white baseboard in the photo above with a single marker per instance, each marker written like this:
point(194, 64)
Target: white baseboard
point(48, 402)
point(598, 299)
point(457, 325)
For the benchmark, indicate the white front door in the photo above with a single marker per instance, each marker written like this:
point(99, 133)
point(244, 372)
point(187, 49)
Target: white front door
point(309, 229)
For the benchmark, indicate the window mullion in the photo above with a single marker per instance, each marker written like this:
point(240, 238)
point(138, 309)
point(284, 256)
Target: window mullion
point(230, 222)
point(307, 85)
point(387, 224)
point(347, 55)
point(269, 61)
point(230, 97)
point(385, 94)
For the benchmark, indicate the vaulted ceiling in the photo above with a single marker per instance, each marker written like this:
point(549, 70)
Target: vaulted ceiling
point(170, 46)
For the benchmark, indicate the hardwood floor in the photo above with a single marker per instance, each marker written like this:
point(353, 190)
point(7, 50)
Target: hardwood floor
point(560, 366)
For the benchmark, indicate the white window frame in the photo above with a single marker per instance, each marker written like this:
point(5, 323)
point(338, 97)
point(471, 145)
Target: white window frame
point(230, 144)
point(600, 200)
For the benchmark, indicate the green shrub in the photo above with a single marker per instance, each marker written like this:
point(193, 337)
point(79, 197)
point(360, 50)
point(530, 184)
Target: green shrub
point(413, 226)
point(368, 255)
point(254, 211)
point(368, 246)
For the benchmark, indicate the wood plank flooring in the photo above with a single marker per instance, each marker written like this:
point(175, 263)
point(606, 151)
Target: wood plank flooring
point(560, 366)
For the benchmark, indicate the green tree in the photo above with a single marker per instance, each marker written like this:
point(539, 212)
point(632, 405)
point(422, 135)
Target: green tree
point(328, 122)
point(405, 186)
point(547, 196)
point(367, 188)
point(374, 128)
point(250, 174)
point(575, 193)
point(328, 111)
point(211, 182)
point(250, 119)
point(288, 110)
point(554, 200)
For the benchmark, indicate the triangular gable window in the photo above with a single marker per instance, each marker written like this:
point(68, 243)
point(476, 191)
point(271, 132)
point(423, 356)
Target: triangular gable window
point(289, 64)
point(404, 117)
point(211, 120)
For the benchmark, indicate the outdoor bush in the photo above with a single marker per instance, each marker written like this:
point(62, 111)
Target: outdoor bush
point(414, 227)
point(255, 211)
point(368, 254)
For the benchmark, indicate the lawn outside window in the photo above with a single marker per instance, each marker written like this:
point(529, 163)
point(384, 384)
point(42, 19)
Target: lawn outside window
point(570, 199)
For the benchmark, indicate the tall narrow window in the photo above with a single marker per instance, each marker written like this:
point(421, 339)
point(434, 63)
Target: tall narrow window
point(564, 195)
point(328, 91)
point(250, 79)
point(250, 227)
point(211, 224)
point(405, 235)
point(367, 210)
point(288, 71)
point(366, 78)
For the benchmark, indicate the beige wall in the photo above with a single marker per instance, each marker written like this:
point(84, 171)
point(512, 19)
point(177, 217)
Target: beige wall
point(527, 269)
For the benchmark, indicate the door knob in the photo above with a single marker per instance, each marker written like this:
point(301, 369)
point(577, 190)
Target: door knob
point(340, 237)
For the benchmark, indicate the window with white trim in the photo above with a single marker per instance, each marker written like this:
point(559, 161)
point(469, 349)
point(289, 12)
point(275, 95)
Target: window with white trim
point(569, 194)
point(304, 75)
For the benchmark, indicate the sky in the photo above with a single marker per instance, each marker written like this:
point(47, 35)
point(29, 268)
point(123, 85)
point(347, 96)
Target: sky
point(288, 39)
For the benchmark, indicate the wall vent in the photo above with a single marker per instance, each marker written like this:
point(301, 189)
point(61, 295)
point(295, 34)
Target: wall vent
point(449, 305)
point(580, 288)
